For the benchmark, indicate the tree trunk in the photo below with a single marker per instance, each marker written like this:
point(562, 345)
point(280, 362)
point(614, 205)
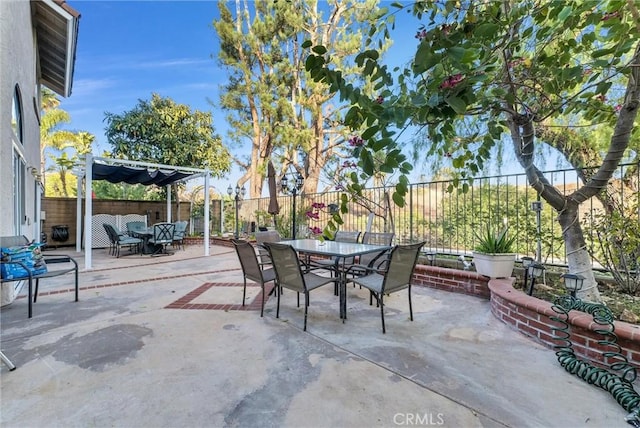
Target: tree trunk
point(578, 257)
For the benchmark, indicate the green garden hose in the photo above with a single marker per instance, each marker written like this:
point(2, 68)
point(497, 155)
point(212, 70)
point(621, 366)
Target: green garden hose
point(618, 384)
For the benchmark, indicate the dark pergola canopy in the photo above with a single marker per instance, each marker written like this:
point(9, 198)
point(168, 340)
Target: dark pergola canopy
point(132, 175)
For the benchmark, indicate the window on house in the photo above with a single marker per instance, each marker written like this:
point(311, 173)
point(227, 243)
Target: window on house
point(16, 114)
point(19, 193)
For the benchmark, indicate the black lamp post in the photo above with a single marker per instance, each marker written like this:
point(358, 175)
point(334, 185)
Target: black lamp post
point(239, 195)
point(534, 271)
point(292, 188)
point(572, 283)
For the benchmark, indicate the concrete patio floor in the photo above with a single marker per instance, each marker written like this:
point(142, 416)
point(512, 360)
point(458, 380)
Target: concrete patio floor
point(164, 342)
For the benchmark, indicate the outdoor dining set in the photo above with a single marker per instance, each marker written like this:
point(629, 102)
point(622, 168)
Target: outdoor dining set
point(303, 265)
point(141, 239)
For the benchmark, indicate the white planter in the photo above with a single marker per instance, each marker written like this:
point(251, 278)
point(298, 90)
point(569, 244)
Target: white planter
point(494, 265)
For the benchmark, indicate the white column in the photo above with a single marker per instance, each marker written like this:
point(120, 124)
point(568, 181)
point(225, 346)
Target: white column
point(79, 213)
point(206, 212)
point(38, 211)
point(88, 212)
point(168, 203)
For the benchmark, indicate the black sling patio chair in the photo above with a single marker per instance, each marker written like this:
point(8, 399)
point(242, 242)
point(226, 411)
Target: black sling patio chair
point(252, 269)
point(395, 276)
point(289, 275)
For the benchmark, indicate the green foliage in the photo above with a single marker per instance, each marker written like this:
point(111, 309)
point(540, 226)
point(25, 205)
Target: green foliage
point(102, 189)
point(62, 146)
point(617, 239)
point(491, 241)
point(162, 131)
point(272, 103)
point(507, 65)
point(483, 70)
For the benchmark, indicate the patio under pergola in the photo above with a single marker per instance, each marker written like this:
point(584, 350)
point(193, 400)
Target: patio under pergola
point(131, 172)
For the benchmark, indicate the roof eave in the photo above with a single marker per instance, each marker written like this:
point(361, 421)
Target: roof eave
point(56, 26)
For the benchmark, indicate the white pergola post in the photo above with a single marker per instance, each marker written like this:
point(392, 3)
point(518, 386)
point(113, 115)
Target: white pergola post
point(79, 213)
point(206, 213)
point(38, 210)
point(168, 203)
point(88, 212)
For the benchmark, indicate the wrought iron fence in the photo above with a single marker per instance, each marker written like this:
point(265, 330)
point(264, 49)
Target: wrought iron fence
point(447, 218)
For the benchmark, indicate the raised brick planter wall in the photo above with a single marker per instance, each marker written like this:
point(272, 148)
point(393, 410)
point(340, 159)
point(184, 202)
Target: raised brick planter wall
point(198, 240)
point(531, 316)
point(458, 281)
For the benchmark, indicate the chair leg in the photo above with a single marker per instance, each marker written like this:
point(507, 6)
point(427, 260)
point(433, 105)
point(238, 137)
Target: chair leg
point(278, 305)
point(410, 307)
point(380, 301)
point(7, 361)
point(35, 295)
point(244, 291)
point(262, 305)
point(306, 309)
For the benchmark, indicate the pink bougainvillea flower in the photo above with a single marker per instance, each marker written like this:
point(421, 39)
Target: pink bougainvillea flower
point(315, 230)
point(349, 164)
point(318, 205)
point(421, 35)
point(356, 141)
point(313, 215)
point(617, 108)
point(451, 81)
point(379, 100)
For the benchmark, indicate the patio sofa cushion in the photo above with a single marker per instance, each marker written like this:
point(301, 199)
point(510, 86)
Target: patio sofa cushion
point(29, 274)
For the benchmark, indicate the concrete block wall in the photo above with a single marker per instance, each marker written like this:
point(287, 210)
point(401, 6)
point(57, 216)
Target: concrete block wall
point(62, 211)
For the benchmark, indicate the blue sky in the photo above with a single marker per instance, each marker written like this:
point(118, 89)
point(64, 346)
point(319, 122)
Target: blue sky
point(129, 49)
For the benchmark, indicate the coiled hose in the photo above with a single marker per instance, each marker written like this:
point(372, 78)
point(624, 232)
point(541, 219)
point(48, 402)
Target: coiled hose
point(618, 384)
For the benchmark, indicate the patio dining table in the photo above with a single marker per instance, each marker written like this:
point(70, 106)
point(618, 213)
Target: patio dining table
point(145, 235)
point(340, 252)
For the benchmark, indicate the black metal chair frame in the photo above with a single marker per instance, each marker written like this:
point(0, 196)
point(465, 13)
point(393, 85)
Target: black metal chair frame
point(289, 275)
point(162, 236)
point(396, 276)
point(119, 239)
point(252, 269)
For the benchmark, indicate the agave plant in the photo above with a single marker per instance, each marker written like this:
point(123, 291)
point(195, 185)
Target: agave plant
point(492, 242)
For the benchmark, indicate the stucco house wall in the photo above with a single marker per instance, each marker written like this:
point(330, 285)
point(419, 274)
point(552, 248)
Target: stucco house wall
point(37, 46)
point(18, 62)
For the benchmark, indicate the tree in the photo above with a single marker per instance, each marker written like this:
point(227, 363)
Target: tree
point(51, 136)
point(511, 67)
point(162, 131)
point(55, 144)
point(270, 100)
point(103, 189)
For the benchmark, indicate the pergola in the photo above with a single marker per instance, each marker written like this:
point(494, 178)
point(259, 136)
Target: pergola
point(132, 172)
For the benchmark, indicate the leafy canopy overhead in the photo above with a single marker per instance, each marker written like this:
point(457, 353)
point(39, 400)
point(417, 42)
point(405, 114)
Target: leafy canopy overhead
point(165, 132)
point(482, 67)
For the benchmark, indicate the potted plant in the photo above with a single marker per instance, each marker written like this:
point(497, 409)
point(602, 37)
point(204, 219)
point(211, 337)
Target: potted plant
point(494, 256)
